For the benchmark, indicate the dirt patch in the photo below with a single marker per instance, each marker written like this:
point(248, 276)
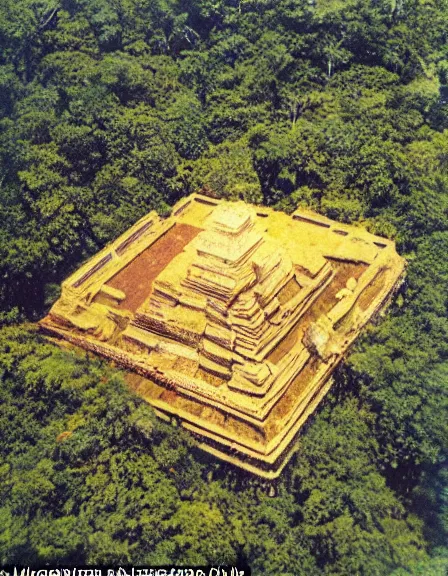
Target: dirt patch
point(326, 301)
point(366, 298)
point(136, 279)
point(290, 398)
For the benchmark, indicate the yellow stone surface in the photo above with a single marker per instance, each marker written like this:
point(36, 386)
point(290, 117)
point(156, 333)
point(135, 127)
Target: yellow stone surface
point(230, 317)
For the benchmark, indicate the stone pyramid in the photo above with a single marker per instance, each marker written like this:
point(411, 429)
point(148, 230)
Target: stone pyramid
point(221, 296)
point(230, 318)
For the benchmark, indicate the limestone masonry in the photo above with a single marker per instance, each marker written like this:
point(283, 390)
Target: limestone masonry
point(230, 317)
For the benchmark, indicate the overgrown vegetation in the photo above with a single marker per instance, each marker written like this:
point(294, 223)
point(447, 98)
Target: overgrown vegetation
point(110, 108)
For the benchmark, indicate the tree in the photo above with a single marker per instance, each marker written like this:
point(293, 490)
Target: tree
point(354, 521)
point(227, 171)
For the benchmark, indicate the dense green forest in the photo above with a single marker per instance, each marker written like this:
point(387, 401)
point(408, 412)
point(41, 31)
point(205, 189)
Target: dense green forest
point(111, 108)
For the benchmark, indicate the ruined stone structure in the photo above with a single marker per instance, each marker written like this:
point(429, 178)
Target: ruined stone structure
point(231, 317)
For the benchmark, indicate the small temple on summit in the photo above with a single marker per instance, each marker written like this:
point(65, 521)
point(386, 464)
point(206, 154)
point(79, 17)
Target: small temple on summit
point(230, 318)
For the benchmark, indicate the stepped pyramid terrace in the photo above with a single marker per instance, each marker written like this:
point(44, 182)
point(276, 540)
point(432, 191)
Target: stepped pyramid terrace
point(230, 318)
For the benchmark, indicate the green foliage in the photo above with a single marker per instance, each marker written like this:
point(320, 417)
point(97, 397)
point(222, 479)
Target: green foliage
point(94, 477)
point(226, 171)
point(76, 468)
point(347, 510)
point(406, 357)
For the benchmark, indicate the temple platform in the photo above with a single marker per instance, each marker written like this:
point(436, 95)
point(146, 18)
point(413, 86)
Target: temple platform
point(230, 318)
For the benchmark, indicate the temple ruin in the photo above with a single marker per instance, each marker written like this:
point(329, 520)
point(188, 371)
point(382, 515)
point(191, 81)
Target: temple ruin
point(230, 318)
